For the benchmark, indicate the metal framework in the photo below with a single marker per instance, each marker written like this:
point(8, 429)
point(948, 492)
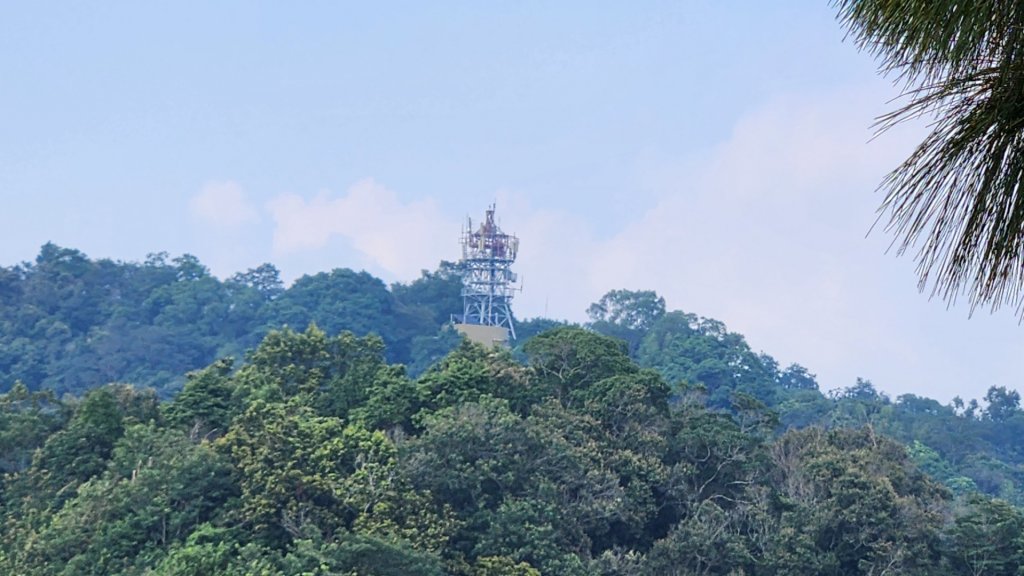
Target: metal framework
point(487, 278)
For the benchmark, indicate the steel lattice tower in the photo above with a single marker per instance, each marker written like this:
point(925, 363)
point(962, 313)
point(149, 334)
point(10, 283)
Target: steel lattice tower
point(487, 278)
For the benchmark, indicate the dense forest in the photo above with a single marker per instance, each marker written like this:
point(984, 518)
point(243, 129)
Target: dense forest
point(157, 420)
point(69, 324)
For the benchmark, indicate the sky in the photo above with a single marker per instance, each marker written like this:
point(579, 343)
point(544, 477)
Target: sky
point(719, 153)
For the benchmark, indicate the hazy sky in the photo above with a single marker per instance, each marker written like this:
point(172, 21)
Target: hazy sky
point(716, 152)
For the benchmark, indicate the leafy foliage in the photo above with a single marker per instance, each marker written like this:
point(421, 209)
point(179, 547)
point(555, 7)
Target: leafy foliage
point(70, 324)
point(317, 457)
point(578, 453)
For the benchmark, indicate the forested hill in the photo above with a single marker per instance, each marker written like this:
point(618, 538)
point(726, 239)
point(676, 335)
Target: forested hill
point(317, 457)
point(70, 324)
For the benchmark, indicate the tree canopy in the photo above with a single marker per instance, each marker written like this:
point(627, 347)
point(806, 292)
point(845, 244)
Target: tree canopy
point(316, 456)
point(648, 441)
point(69, 323)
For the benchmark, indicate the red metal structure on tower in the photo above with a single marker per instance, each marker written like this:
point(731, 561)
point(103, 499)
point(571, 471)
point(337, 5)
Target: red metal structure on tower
point(488, 282)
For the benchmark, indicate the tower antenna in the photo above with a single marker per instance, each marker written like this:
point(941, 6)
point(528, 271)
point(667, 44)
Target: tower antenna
point(488, 282)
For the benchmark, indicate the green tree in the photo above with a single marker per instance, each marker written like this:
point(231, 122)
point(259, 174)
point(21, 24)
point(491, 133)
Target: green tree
point(26, 420)
point(988, 538)
point(81, 450)
point(265, 279)
point(471, 455)
point(568, 360)
point(527, 531)
point(427, 350)
point(211, 550)
point(157, 488)
point(206, 405)
point(687, 349)
point(710, 542)
point(796, 377)
point(344, 300)
point(301, 473)
point(1003, 404)
point(626, 314)
point(437, 293)
point(463, 376)
point(360, 555)
point(856, 504)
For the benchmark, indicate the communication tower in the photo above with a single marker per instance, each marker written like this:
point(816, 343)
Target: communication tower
point(488, 282)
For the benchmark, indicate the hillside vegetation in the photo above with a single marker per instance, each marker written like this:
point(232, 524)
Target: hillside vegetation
point(648, 442)
point(70, 324)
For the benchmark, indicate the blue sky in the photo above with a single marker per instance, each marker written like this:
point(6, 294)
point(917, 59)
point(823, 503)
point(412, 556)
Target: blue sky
point(717, 152)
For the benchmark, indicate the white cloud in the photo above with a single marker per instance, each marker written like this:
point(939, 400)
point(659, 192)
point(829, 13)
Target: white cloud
point(769, 215)
point(223, 204)
point(768, 235)
point(399, 238)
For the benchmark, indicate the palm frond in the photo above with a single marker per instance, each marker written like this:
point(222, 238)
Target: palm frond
point(956, 200)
